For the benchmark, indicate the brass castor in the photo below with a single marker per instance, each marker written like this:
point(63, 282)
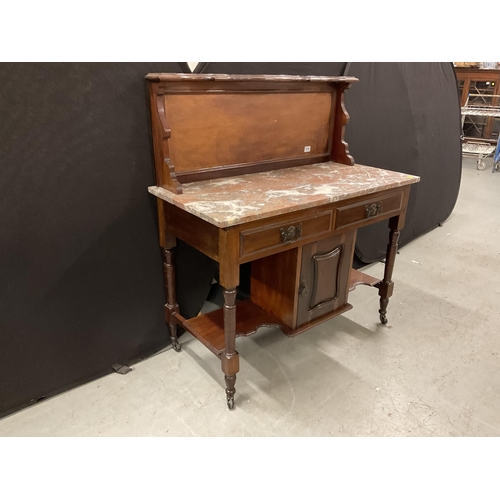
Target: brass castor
point(177, 347)
point(230, 402)
point(383, 319)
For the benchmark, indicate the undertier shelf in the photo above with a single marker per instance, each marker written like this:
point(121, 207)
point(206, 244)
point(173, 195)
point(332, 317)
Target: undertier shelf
point(209, 328)
point(358, 278)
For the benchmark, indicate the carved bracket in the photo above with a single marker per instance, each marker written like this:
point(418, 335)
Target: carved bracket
point(340, 148)
point(160, 106)
point(171, 174)
point(166, 132)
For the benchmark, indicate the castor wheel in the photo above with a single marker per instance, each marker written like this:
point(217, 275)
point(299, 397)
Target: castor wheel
point(383, 319)
point(177, 347)
point(230, 403)
point(481, 164)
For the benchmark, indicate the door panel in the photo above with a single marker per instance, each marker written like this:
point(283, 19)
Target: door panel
point(324, 276)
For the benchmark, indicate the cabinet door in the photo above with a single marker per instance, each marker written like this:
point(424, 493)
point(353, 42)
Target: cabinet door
point(324, 276)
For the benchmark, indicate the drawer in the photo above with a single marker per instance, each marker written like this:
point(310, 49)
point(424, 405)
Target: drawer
point(284, 233)
point(372, 209)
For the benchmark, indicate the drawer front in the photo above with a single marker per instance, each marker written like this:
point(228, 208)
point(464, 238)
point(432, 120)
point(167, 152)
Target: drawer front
point(285, 233)
point(371, 209)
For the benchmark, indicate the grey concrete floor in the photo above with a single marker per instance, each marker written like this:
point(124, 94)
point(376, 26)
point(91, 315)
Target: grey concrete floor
point(433, 371)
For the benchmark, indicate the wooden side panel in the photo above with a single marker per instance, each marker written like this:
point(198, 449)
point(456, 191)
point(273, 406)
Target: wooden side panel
point(274, 285)
point(216, 129)
point(191, 229)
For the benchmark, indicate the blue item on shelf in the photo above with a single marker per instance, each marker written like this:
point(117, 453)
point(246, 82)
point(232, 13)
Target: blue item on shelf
point(496, 157)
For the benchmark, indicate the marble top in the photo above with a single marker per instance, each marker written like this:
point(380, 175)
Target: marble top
point(235, 200)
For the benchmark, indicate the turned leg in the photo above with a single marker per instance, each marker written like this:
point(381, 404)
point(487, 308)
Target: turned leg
point(171, 306)
point(230, 358)
point(386, 287)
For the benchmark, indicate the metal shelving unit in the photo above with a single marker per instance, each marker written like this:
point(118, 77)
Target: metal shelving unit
point(477, 106)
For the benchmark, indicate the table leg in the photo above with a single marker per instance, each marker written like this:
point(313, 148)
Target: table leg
point(171, 306)
point(230, 357)
point(386, 287)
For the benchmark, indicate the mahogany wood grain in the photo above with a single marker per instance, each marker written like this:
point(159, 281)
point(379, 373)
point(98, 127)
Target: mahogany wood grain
point(269, 236)
point(326, 281)
point(192, 230)
point(386, 287)
point(357, 212)
point(317, 321)
point(274, 283)
point(216, 125)
point(167, 239)
point(209, 328)
point(401, 216)
point(325, 287)
point(211, 126)
point(161, 223)
point(230, 357)
point(212, 130)
point(248, 168)
point(161, 132)
point(276, 280)
point(156, 135)
point(206, 238)
point(339, 148)
point(358, 278)
point(171, 307)
point(229, 268)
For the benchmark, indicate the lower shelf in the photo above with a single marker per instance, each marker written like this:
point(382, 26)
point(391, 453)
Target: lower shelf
point(209, 328)
point(358, 278)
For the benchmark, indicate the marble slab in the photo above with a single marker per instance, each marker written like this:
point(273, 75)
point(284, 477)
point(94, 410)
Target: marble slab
point(239, 199)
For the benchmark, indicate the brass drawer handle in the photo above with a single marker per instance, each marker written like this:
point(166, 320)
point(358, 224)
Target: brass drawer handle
point(293, 233)
point(373, 210)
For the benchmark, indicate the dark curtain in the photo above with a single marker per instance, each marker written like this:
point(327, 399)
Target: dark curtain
point(80, 265)
point(406, 117)
point(273, 68)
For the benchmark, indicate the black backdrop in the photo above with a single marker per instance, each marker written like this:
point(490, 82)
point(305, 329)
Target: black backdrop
point(406, 117)
point(80, 266)
point(273, 68)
